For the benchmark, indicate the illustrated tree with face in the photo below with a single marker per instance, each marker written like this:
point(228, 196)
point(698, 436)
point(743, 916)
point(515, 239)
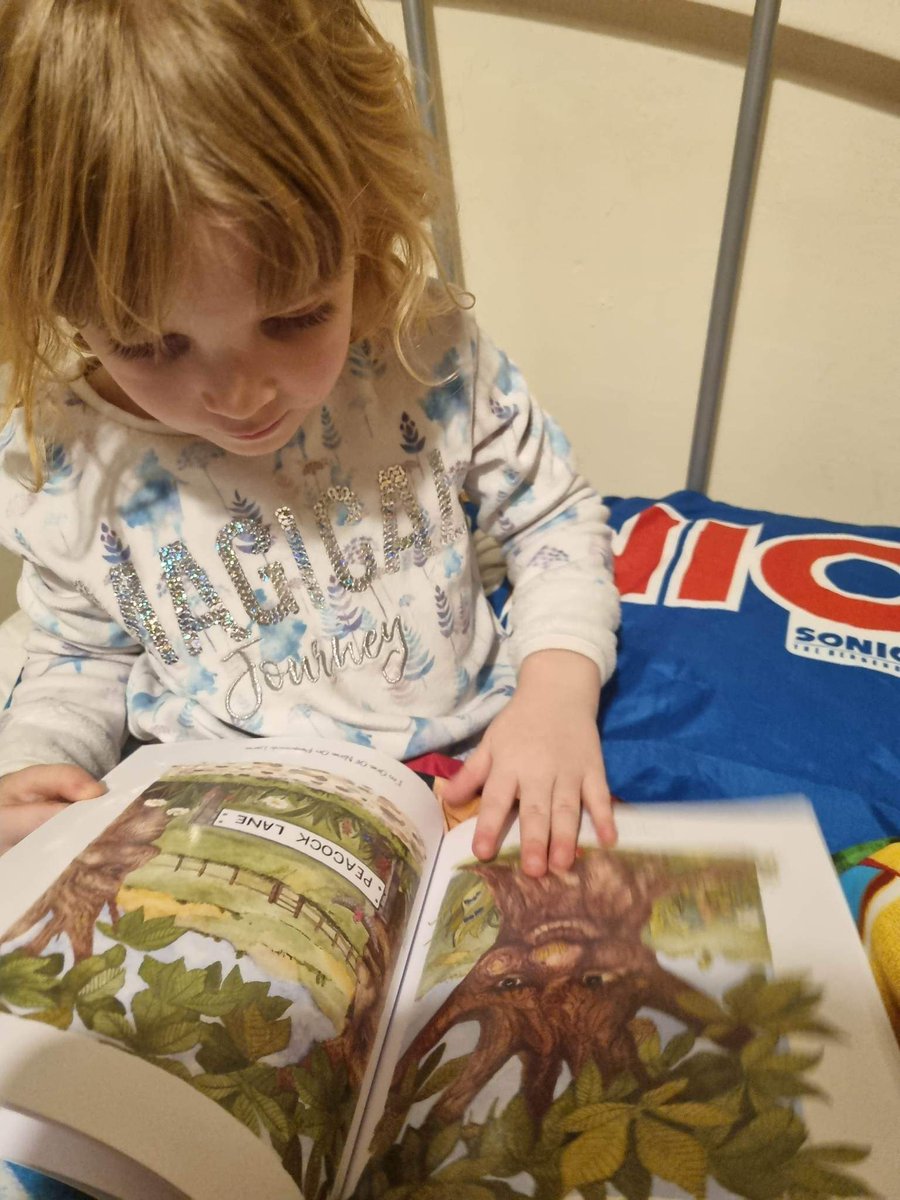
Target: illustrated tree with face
point(565, 978)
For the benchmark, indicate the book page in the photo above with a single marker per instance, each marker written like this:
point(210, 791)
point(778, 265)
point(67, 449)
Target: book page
point(688, 1014)
point(42, 1160)
point(233, 922)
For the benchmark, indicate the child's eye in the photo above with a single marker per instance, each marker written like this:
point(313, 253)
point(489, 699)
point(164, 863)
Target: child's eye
point(172, 346)
point(295, 321)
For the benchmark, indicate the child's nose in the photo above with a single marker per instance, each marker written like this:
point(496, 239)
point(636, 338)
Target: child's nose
point(237, 390)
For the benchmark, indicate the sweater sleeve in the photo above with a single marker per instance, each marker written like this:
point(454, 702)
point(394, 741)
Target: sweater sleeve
point(549, 522)
point(69, 703)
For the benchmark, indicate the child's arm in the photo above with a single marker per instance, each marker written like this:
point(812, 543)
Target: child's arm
point(66, 722)
point(33, 795)
point(544, 751)
point(550, 524)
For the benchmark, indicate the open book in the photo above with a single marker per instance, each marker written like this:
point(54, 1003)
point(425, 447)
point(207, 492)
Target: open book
point(266, 969)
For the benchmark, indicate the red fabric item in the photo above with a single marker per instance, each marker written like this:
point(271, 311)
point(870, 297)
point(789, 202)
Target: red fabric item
point(438, 765)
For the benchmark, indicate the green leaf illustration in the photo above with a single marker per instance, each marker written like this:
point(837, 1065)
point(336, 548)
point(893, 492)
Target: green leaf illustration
point(508, 1140)
point(265, 1109)
point(442, 1078)
point(442, 1145)
point(633, 1179)
point(671, 1154)
point(822, 1181)
point(141, 934)
point(27, 981)
point(769, 1140)
point(172, 983)
point(431, 1063)
point(664, 1093)
point(114, 1025)
point(589, 1084)
point(597, 1154)
point(169, 1037)
point(698, 1115)
point(253, 1035)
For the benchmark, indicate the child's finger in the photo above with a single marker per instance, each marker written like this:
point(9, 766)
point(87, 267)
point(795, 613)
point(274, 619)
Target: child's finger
point(565, 818)
point(598, 802)
point(469, 779)
point(71, 783)
point(497, 801)
point(534, 826)
point(59, 781)
point(18, 820)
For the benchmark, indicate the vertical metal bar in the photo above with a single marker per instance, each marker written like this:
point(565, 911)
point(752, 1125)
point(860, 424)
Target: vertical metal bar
point(734, 229)
point(421, 43)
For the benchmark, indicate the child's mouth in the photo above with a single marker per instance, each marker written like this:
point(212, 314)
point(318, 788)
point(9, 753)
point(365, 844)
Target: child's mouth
point(255, 434)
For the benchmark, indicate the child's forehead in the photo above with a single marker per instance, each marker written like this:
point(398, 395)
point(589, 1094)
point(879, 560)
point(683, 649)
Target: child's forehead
point(222, 271)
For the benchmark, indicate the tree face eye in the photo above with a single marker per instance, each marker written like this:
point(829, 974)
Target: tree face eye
point(511, 983)
point(598, 979)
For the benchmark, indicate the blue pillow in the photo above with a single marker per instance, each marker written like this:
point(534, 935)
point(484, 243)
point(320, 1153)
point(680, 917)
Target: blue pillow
point(759, 654)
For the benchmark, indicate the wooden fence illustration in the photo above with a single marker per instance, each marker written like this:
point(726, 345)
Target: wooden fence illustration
point(276, 893)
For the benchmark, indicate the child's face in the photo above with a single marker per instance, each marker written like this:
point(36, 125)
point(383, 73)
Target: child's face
point(227, 370)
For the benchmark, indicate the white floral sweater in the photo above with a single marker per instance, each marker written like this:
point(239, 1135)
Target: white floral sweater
point(330, 589)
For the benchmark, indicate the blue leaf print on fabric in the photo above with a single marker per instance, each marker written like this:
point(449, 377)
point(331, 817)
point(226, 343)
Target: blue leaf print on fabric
point(447, 402)
point(198, 680)
point(244, 509)
point(199, 454)
point(503, 412)
point(116, 637)
point(22, 540)
point(297, 442)
point(281, 641)
point(75, 661)
point(490, 680)
point(186, 716)
point(156, 500)
point(410, 439)
point(517, 490)
point(344, 616)
point(143, 702)
point(508, 377)
point(463, 683)
point(61, 474)
point(452, 562)
point(548, 556)
point(559, 443)
point(331, 435)
point(364, 362)
point(444, 612)
point(561, 518)
point(420, 660)
point(420, 742)
point(351, 733)
point(114, 549)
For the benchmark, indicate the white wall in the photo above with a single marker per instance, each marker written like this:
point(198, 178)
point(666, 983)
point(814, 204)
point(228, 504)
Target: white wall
point(591, 142)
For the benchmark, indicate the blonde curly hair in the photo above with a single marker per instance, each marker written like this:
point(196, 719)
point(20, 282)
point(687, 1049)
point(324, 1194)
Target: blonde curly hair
point(120, 120)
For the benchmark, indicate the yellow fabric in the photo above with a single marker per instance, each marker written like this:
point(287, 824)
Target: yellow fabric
point(884, 953)
point(887, 856)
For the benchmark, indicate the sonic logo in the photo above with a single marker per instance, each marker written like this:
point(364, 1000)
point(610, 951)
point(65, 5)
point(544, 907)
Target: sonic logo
point(662, 557)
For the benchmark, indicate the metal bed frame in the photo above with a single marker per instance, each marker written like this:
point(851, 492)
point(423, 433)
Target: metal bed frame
point(418, 20)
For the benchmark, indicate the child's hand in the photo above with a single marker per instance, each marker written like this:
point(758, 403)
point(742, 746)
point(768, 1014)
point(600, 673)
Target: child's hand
point(31, 796)
point(544, 751)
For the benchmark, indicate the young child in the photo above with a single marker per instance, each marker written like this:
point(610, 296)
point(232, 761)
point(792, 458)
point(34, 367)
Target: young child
point(242, 419)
